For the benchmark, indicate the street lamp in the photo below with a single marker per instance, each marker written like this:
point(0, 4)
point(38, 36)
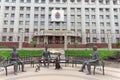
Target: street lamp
point(20, 39)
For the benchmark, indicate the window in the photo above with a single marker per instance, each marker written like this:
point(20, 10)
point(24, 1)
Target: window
point(115, 16)
point(107, 16)
point(27, 22)
point(50, 9)
point(50, 1)
point(27, 30)
point(4, 38)
point(27, 8)
point(101, 17)
point(36, 1)
point(21, 8)
point(79, 16)
point(36, 23)
point(57, 1)
point(21, 1)
point(57, 23)
point(6, 22)
point(35, 15)
point(64, 1)
point(116, 31)
point(101, 1)
point(11, 22)
point(26, 38)
point(64, 23)
point(11, 30)
point(6, 8)
point(108, 24)
point(20, 22)
point(87, 31)
point(86, 16)
point(116, 24)
point(13, 1)
point(93, 9)
point(4, 29)
point(107, 10)
point(93, 16)
point(78, 9)
point(13, 8)
point(94, 24)
point(72, 17)
point(102, 31)
point(72, 9)
point(28, 1)
point(101, 24)
point(94, 31)
point(101, 9)
point(87, 24)
point(10, 38)
point(36, 9)
point(72, 1)
point(79, 24)
point(21, 15)
point(94, 39)
point(50, 23)
point(86, 9)
point(27, 15)
point(42, 23)
point(107, 2)
point(12, 15)
point(6, 0)
point(43, 1)
point(102, 39)
point(6, 15)
point(42, 9)
point(72, 24)
point(42, 16)
point(86, 1)
point(115, 10)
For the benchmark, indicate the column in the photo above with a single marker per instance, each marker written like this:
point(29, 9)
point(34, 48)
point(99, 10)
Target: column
point(83, 23)
point(65, 41)
point(109, 41)
point(98, 35)
point(112, 21)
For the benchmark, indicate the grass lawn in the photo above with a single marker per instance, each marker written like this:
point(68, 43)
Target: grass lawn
point(6, 53)
point(104, 54)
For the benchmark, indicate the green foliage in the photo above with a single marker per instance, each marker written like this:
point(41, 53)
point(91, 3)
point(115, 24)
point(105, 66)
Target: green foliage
point(75, 44)
point(103, 54)
point(6, 53)
point(2, 46)
point(117, 44)
point(33, 43)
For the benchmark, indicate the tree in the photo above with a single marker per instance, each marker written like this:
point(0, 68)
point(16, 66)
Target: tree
point(33, 43)
point(117, 44)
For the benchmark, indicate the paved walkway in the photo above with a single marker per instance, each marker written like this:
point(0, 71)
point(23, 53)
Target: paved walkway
point(67, 73)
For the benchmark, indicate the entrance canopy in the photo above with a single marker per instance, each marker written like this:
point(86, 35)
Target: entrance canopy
point(56, 33)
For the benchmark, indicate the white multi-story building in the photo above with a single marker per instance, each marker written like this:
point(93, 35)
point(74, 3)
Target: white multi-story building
point(82, 21)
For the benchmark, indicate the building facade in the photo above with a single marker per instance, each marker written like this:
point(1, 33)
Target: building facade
point(85, 21)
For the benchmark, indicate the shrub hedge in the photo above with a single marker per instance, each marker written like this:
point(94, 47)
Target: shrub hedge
point(104, 54)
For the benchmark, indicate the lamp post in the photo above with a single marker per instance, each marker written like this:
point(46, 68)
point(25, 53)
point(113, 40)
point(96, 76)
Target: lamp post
point(109, 41)
point(20, 39)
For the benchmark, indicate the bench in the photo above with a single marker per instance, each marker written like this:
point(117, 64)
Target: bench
point(101, 66)
point(5, 64)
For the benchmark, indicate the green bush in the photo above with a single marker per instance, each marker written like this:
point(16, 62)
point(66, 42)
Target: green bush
point(103, 54)
point(33, 43)
point(117, 44)
point(6, 53)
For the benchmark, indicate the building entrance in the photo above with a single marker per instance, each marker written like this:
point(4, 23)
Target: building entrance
point(55, 39)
